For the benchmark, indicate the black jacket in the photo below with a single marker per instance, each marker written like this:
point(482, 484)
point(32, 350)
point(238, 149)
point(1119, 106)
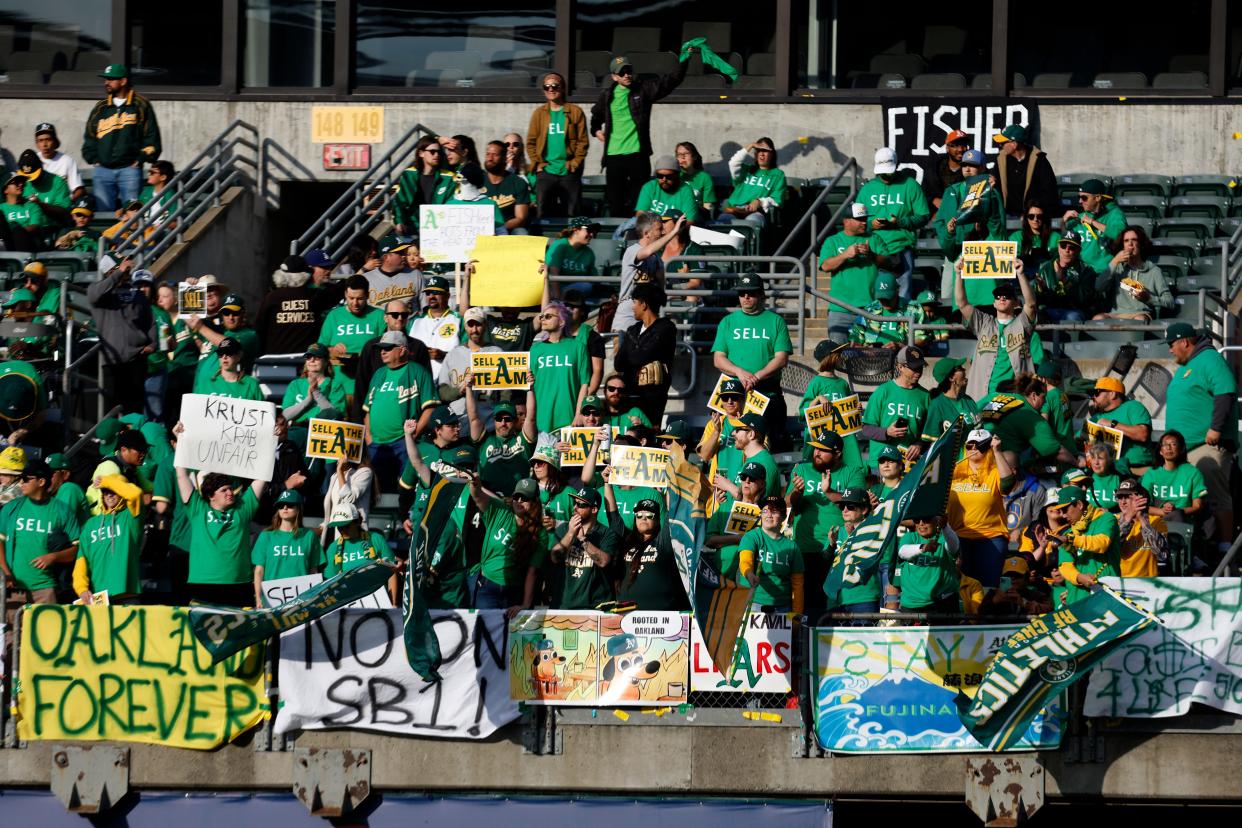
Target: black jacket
point(638, 347)
point(643, 94)
point(1031, 178)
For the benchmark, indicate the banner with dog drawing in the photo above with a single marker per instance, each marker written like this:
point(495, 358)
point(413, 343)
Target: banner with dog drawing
point(599, 659)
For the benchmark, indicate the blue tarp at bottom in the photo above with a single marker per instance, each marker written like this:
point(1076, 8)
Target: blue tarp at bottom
point(197, 810)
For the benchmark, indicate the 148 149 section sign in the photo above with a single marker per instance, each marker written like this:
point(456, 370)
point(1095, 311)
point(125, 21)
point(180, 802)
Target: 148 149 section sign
point(916, 127)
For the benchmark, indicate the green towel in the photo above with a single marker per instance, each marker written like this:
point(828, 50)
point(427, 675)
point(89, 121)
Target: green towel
point(710, 58)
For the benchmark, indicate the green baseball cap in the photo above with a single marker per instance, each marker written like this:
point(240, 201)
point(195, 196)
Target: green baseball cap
point(504, 407)
point(233, 302)
point(464, 456)
point(1093, 186)
point(443, 416)
point(927, 298)
point(1073, 476)
point(619, 645)
point(591, 401)
point(1179, 330)
point(826, 440)
point(391, 244)
point(588, 496)
point(289, 496)
point(732, 386)
point(115, 71)
point(826, 348)
point(1013, 132)
point(1048, 369)
point(583, 221)
point(1070, 494)
point(436, 283)
point(106, 432)
point(944, 367)
point(856, 496)
point(754, 471)
point(316, 349)
point(58, 462)
point(676, 430)
point(890, 453)
point(886, 286)
point(755, 423)
point(20, 295)
point(527, 487)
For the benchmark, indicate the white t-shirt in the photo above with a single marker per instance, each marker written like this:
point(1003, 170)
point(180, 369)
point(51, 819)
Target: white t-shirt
point(64, 166)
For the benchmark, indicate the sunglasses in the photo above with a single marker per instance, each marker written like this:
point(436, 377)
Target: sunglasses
point(762, 149)
point(537, 463)
point(433, 150)
point(1066, 245)
point(969, 447)
point(747, 477)
point(513, 143)
point(398, 314)
point(666, 176)
point(549, 316)
point(26, 478)
point(522, 498)
point(384, 348)
point(578, 504)
point(504, 418)
point(625, 73)
point(851, 506)
point(551, 87)
point(230, 313)
point(644, 516)
point(1035, 216)
point(615, 388)
point(747, 293)
point(1083, 197)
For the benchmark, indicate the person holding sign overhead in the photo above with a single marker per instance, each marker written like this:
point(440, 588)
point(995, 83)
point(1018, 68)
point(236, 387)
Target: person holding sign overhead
point(644, 563)
point(560, 369)
point(772, 563)
point(1004, 348)
point(399, 391)
point(515, 546)
point(286, 549)
point(752, 344)
point(229, 381)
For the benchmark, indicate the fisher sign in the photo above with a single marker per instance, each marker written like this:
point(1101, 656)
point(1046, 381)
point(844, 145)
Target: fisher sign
point(500, 370)
point(448, 232)
point(988, 259)
point(844, 416)
point(131, 674)
point(635, 466)
point(762, 664)
point(334, 440)
point(227, 435)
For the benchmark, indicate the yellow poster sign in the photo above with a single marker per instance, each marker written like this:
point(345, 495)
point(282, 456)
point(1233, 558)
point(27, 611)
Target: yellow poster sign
point(347, 124)
point(580, 438)
point(756, 403)
point(844, 416)
point(506, 271)
point(191, 299)
point(636, 466)
point(988, 259)
point(1110, 437)
point(742, 518)
point(500, 370)
point(334, 440)
point(131, 674)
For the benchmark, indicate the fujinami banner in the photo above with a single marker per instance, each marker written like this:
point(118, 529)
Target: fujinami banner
point(349, 670)
point(762, 664)
point(916, 127)
point(227, 435)
point(1193, 655)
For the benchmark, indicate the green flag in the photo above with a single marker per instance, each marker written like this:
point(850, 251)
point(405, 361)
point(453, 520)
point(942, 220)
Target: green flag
point(1043, 658)
point(224, 631)
point(430, 516)
point(924, 491)
point(710, 58)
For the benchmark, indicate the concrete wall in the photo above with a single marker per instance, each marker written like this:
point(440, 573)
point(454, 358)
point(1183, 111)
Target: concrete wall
point(813, 139)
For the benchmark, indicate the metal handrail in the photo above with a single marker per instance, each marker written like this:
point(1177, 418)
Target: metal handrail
point(90, 432)
point(849, 166)
point(673, 393)
point(353, 213)
point(198, 187)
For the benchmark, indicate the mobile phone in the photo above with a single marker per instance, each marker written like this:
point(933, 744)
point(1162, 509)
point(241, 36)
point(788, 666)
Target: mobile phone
point(1006, 583)
point(902, 422)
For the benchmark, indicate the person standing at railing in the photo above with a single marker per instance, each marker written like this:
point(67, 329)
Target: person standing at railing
point(121, 133)
point(127, 335)
point(851, 260)
point(897, 209)
point(557, 144)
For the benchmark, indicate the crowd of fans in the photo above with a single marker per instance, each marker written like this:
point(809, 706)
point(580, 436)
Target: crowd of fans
point(1039, 509)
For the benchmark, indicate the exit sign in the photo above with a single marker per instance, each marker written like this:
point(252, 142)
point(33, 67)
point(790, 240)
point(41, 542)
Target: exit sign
point(346, 156)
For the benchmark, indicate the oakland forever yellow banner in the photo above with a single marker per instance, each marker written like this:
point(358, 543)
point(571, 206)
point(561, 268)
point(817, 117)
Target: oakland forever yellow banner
point(131, 674)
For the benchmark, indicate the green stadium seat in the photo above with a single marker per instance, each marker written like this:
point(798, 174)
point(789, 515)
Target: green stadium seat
point(607, 252)
point(1196, 282)
point(1188, 305)
point(1213, 246)
point(1147, 206)
point(1181, 536)
point(1213, 185)
point(1225, 228)
point(1068, 184)
point(1173, 267)
point(928, 247)
point(12, 261)
point(1147, 224)
point(1186, 248)
point(1195, 206)
point(1199, 228)
point(1207, 265)
point(1143, 184)
point(64, 260)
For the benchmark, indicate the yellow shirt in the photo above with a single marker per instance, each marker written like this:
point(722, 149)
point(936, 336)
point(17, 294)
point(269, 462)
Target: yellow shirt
point(1138, 560)
point(976, 502)
point(972, 593)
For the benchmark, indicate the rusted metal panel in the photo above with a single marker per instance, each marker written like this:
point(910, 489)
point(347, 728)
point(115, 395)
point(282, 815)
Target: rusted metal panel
point(331, 782)
point(89, 779)
point(1004, 791)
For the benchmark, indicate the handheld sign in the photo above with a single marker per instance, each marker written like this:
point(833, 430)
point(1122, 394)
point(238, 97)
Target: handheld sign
point(581, 437)
point(756, 403)
point(500, 370)
point(283, 590)
point(334, 440)
point(227, 435)
point(844, 416)
point(979, 187)
point(191, 299)
point(989, 259)
point(448, 232)
point(636, 466)
point(1110, 437)
point(742, 518)
point(506, 271)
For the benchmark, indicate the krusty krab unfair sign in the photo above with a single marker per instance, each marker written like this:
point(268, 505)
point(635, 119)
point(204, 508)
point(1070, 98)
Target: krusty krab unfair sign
point(227, 435)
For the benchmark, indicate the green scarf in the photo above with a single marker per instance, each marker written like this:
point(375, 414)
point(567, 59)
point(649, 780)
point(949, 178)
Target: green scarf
point(710, 58)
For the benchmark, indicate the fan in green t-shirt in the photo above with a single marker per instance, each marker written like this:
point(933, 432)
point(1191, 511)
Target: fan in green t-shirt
point(110, 544)
point(560, 368)
point(758, 184)
point(666, 191)
point(287, 549)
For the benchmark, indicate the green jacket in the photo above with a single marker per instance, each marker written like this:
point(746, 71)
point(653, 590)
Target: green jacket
point(119, 136)
point(408, 198)
point(989, 214)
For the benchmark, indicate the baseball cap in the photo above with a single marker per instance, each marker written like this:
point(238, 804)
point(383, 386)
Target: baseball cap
point(825, 439)
point(732, 386)
point(29, 165)
point(1093, 186)
point(1070, 494)
point(927, 298)
point(753, 471)
point(132, 439)
point(20, 295)
point(316, 349)
point(343, 514)
point(1016, 564)
point(1073, 477)
point(45, 128)
point(826, 348)
point(591, 401)
point(1110, 384)
point(858, 210)
point(436, 283)
point(115, 71)
point(58, 462)
point(1048, 369)
point(749, 282)
point(665, 162)
point(231, 302)
point(12, 460)
point(671, 214)
point(957, 137)
point(886, 286)
point(464, 456)
point(393, 339)
point(504, 407)
point(1179, 330)
point(773, 502)
point(443, 416)
point(587, 495)
point(293, 264)
point(1130, 486)
point(1013, 132)
point(1005, 287)
point(84, 205)
point(475, 314)
point(618, 63)
point(885, 161)
point(318, 257)
point(647, 506)
point(391, 244)
point(229, 346)
point(527, 487)
point(35, 268)
point(143, 276)
point(1072, 237)
point(911, 356)
point(38, 468)
point(855, 495)
point(890, 453)
point(675, 430)
point(289, 496)
point(19, 180)
point(755, 423)
point(974, 158)
point(944, 367)
point(573, 298)
point(583, 221)
point(981, 436)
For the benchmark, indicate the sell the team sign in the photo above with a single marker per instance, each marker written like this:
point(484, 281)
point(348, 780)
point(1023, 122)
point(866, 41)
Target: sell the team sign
point(227, 435)
point(500, 370)
point(762, 663)
point(191, 299)
point(844, 416)
point(283, 590)
point(580, 438)
point(988, 259)
point(1110, 437)
point(635, 466)
point(742, 518)
point(756, 403)
point(334, 440)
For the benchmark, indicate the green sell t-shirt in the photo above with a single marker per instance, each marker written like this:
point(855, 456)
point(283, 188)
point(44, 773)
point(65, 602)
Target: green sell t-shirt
point(890, 402)
point(508, 194)
point(220, 541)
point(341, 326)
point(1180, 486)
point(943, 410)
point(111, 545)
point(570, 260)
point(498, 559)
point(1132, 413)
point(561, 369)
point(554, 148)
point(926, 577)
point(397, 395)
point(754, 183)
point(751, 340)
point(27, 215)
point(1103, 490)
point(623, 140)
point(653, 198)
point(287, 554)
point(1191, 394)
point(702, 185)
point(854, 283)
point(901, 201)
point(817, 514)
point(777, 559)
point(344, 555)
point(24, 527)
point(331, 387)
point(584, 585)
